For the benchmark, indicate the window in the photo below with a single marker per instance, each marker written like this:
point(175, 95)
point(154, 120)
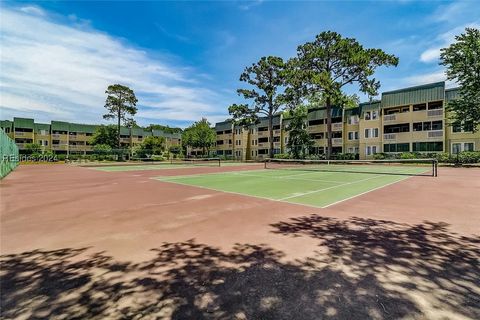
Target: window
point(228, 131)
point(396, 147)
point(468, 146)
point(277, 127)
point(219, 132)
point(353, 120)
point(371, 115)
point(263, 129)
point(427, 146)
point(262, 140)
point(435, 105)
point(420, 107)
point(462, 146)
point(220, 152)
point(371, 133)
point(396, 128)
point(317, 136)
point(315, 122)
point(219, 142)
point(263, 151)
point(353, 135)
point(371, 150)
point(276, 139)
point(462, 127)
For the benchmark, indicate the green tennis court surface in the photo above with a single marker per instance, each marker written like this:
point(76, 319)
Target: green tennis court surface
point(308, 187)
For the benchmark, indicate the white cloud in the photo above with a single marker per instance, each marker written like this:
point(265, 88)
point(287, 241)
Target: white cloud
point(62, 71)
point(424, 78)
point(33, 10)
point(247, 5)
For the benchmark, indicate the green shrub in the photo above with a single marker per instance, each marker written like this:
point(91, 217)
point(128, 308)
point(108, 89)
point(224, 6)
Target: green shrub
point(380, 156)
point(408, 155)
point(281, 156)
point(469, 157)
point(156, 157)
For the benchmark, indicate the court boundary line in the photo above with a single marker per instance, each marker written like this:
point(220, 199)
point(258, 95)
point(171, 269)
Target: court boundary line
point(160, 178)
point(332, 187)
point(237, 193)
point(365, 192)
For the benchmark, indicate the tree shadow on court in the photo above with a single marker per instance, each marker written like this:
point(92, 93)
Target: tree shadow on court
point(189, 280)
point(420, 260)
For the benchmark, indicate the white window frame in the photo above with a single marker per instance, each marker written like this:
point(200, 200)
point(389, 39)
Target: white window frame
point(462, 146)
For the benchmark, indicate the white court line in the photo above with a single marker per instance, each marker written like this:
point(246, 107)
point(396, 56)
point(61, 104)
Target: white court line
point(323, 189)
point(286, 177)
point(358, 195)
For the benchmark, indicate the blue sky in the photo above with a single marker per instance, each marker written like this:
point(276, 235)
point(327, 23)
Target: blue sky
point(183, 59)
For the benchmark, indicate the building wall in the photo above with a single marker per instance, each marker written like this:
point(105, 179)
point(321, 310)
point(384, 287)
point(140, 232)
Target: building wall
point(411, 119)
point(72, 138)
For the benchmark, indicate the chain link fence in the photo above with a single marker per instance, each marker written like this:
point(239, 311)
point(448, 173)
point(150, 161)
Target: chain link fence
point(9, 154)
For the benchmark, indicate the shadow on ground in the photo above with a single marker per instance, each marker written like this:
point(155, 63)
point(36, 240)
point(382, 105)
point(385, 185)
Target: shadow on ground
point(364, 269)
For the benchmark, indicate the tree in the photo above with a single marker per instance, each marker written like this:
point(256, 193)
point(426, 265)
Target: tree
point(199, 135)
point(299, 140)
point(267, 76)
point(33, 148)
point(331, 62)
point(462, 60)
point(166, 129)
point(105, 135)
point(102, 149)
point(154, 145)
point(175, 150)
point(121, 102)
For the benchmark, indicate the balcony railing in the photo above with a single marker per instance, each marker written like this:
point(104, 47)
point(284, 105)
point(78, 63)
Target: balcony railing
point(435, 113)
point(389, 136)
point(337, 141)
point(435, 134)
point(390, 117)
point(276, 132)
point(263, 145)
point(337, 126)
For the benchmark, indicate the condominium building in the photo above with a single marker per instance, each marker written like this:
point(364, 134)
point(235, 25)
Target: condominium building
point(407, 120)
point(73, 138)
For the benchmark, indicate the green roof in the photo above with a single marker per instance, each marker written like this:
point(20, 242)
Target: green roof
point(23, 123)
point(60, 126)
point(137, 131)
point(452, 94)
point(321, 113)
point(42, 126)
point(222, 126)
point(124, 131)
point(418, 94)
point(6, 124)
point(264, 121)
point(369, 106)
point(84, 128)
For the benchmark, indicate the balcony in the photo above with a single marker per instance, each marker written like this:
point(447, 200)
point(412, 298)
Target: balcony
point(435, 134)
point(390, 136)
point(435, 113)
point(337, 141)
point(337, 126)
point(263, 145)
point(276, 132)
point(397, 117)
point(59, 147)
point(19, 134)
point(263, 133)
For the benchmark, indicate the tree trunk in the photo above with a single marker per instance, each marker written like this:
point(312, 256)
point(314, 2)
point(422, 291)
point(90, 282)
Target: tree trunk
point(270, 138)
point(118, 127)
point(329, 129)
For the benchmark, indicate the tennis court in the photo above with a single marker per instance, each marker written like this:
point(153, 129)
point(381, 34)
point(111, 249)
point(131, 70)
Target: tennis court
point(313, 183)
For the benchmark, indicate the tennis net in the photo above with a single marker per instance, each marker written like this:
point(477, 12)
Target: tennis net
point(409, 167)
point(209, 162)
